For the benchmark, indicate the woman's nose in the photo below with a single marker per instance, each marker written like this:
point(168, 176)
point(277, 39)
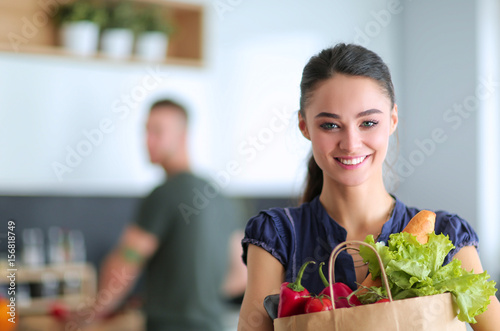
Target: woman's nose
point(350, 140)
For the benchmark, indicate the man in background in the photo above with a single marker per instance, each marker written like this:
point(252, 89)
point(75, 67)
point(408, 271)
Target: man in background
point(184, 250)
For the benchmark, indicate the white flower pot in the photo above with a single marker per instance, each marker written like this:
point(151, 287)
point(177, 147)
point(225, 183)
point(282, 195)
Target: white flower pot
point(80, 38)
point(152, 46)
point(117, 43)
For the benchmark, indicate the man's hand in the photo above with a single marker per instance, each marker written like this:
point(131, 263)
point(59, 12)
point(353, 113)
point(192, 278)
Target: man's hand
point(122, 267)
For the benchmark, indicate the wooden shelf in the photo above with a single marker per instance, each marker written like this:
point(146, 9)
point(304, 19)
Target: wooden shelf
point(26, 27)
point(59, 51)
point(84, 274)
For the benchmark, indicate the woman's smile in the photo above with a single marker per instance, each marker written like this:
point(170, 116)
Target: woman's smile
point(350, 162)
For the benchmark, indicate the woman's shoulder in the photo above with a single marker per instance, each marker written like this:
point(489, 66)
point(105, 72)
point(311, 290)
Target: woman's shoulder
point(443, 217)
point(273, 229)
point(278, 214)
point(459, 230)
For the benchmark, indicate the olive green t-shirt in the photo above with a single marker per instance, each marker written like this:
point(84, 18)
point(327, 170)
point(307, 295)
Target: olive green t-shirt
point(193, 222)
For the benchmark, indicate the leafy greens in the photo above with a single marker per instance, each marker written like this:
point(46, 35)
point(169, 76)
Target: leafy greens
point(415, 269)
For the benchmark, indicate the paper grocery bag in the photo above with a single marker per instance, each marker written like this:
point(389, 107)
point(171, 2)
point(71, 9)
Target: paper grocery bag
point(429, 313)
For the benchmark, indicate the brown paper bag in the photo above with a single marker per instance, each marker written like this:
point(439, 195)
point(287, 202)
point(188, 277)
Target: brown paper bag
point(430, 313)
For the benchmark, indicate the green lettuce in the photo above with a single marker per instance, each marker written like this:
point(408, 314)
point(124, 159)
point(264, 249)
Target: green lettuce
point(415, 269)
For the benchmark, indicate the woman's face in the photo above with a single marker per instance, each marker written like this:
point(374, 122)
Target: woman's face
point(349, 120)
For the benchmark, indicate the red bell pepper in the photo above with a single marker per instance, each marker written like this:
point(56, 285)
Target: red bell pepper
point(293, 296)
point(318, 303)
point(59, 311)
point(343, 296)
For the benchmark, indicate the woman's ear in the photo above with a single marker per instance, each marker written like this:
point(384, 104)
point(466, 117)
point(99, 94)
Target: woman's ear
point(303, 127)
point(394, 119)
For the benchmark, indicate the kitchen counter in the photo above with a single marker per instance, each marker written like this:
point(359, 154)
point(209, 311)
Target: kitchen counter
point(132, 320)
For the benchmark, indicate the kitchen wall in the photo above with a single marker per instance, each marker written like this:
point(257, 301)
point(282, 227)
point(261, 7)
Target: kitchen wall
point(72, 130)
point(54, 107)
point(438, 163)
point(448, 157)
point(72, 126)
point(488, 158)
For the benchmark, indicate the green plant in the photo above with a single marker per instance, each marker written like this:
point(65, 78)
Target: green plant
point(81, 10)
point(153, 18)
point(121, 15)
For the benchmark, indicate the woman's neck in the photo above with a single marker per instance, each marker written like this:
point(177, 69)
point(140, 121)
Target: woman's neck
point(361, 209)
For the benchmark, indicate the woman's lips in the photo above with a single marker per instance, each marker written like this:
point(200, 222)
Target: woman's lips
point(351, 162)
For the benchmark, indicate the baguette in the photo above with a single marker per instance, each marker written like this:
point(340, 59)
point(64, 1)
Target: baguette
point(420, 226)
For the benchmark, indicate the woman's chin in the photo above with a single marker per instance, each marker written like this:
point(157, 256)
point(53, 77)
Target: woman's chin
point(350, 181)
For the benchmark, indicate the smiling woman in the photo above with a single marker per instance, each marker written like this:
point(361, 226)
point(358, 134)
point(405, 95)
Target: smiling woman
point(353, 132)
point(348, 112)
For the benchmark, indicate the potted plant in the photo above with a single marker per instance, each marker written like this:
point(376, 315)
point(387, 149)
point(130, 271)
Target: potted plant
point(118, 34)
point(153, 31)
point(80, 22)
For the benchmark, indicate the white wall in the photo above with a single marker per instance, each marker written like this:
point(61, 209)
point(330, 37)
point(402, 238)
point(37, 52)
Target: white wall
point(488, 143)
point(87, 117)
point(448, 140)
point(437, 161)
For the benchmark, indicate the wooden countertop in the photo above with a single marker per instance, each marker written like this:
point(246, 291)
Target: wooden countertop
point(132, 320)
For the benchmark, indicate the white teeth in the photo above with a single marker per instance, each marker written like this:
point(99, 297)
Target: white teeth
point(352, 161)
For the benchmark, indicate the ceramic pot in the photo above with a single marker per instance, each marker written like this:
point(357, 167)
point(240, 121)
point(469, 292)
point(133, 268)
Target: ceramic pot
point(117, 43)
point(80, 38)
point(152, 46)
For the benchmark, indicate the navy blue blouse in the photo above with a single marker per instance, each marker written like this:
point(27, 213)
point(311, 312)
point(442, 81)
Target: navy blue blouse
point(296, 235)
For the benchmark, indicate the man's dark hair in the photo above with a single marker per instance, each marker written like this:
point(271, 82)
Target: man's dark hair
point(169, 103)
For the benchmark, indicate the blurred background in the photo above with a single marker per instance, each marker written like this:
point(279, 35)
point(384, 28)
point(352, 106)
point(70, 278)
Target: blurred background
point(72, 118)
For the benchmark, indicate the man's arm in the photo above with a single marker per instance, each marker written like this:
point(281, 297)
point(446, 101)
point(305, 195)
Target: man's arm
point(236, 276)
point(122, 267)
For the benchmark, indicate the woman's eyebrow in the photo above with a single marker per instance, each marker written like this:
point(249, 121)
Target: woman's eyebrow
point(369, 112)
point(362, 114)
point(326, 114)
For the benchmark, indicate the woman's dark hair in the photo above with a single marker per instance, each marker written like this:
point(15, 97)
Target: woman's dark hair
point(347, 59)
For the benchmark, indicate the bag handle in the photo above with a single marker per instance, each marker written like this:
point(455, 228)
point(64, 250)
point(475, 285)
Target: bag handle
point(346, 245)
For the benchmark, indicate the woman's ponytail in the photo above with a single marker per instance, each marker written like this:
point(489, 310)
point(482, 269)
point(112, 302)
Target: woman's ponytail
point(314, 181)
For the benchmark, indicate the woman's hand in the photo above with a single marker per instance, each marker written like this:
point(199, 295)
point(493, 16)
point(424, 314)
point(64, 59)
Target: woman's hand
point(265, 275)
point(490, 319)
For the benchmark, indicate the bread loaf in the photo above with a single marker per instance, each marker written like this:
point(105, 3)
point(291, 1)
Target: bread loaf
point(421, 225)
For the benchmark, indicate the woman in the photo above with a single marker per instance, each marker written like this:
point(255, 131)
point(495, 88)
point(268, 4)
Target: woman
point(348, 112)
